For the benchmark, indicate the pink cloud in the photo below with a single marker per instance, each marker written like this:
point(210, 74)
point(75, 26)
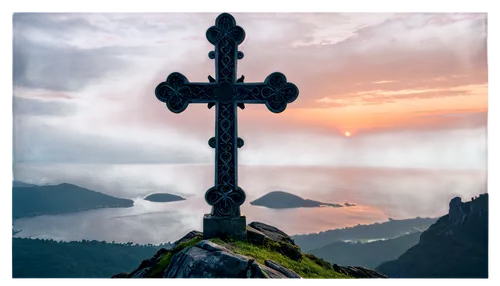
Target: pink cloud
point(415, 51)
point(384, 59)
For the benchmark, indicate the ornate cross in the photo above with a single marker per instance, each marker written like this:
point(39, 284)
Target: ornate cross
point(226, 93)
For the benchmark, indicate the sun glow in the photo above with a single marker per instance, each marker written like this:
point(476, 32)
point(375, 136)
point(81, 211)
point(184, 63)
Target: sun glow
point(347, 134)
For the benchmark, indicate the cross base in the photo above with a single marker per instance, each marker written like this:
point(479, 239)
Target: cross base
point(224, 227)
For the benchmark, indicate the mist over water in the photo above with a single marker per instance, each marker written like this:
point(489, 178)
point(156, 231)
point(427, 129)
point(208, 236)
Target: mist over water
point(379, 194)
point(155, 223)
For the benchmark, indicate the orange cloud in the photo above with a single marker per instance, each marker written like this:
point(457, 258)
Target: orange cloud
point(372, 78)
point(364, 73)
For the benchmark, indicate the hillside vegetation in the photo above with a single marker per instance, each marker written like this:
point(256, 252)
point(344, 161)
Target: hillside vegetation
point(38, 258)
point(308, 267)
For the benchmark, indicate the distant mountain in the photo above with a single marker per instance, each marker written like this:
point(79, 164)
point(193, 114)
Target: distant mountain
point(63, 198)
point(283, 200)
point(37, 258)
point(369, 254)
point(456, 246)
point(390, 229)
point(17, 184)
point(163, 197)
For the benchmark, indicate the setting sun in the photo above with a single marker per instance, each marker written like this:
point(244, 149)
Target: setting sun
point(347, 133)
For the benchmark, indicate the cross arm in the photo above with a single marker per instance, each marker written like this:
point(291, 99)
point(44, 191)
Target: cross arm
point(275, 92)
point(177, 92)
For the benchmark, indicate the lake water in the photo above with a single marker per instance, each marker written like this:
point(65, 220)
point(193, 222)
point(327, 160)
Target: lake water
point(378, 194)
point(149, 222)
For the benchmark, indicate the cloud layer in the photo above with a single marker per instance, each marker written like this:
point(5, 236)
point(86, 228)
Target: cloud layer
point(411, 88)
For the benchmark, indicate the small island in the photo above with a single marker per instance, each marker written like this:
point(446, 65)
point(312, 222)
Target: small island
point(284, 200)
point(163, 198)
point(32, 200)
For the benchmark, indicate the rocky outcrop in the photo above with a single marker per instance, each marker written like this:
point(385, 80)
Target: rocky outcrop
point(456, 246)
point(145, 268)
point(456, 212)
point(459, 212)
point(272, 232)
point(193, 257)
point(209, 260)
point(190, 235)
point(254, 236)
point(358, 271)
point(143, 273)
point(263, 234)
point(287, 272)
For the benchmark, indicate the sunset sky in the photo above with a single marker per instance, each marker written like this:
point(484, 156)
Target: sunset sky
point(411, 89)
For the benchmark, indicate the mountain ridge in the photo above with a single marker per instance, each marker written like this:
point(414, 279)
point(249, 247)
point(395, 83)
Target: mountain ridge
point(370, 254)
point(386, 230)
point(457, 243)
point(19, 184)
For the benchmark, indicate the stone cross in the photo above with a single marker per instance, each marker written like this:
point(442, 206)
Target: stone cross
point(226, 93)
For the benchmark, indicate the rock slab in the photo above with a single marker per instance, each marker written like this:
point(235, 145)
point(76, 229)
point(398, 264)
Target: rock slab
point(272, 232)
point(358, 271)
point(209, 260)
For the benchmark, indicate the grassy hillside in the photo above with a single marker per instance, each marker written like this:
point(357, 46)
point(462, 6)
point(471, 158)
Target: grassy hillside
point(37, 258)
point(308, 267)
point(366, 254)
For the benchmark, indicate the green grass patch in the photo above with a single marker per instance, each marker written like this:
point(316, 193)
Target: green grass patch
point(308, 267)
point(159, 268)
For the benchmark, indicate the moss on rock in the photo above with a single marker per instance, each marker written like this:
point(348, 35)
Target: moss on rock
point(164, 260)
point(307, 267)
point(280, 254)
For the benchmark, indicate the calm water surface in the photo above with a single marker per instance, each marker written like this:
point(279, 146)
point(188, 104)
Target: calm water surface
point(149, 222)
point(377, 193)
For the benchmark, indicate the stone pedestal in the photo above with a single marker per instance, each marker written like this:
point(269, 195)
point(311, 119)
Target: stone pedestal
point(224, 227)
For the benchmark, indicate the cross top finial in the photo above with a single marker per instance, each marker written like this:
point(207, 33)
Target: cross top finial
point(225, 26)
point(225, 36)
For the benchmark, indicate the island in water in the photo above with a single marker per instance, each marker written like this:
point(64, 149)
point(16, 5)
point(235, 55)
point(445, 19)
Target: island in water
point(163, 198)
point(284, 200)
point(31, 200)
